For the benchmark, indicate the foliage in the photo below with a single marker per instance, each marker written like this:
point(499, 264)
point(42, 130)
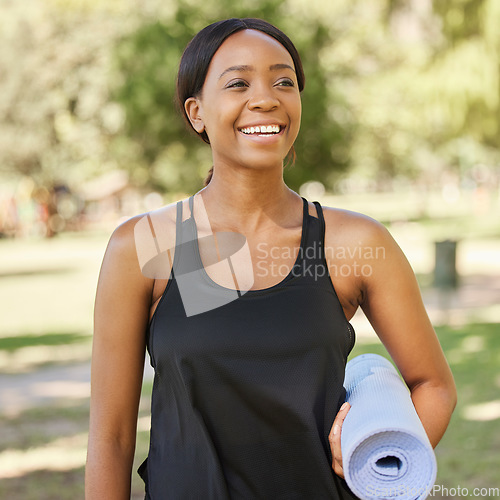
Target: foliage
point(382, 98)
point(146, 66)
point(147, 62)
point(394, 88)
point(436, 107)
point(466, 70)
point(56, 117)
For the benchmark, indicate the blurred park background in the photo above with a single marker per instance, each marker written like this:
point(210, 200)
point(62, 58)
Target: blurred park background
point(401, 121)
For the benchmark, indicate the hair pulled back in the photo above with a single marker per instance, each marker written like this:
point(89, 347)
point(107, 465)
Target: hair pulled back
point(198, 54)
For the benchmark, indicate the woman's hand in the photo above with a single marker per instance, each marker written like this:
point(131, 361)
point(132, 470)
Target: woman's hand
point(334, 438)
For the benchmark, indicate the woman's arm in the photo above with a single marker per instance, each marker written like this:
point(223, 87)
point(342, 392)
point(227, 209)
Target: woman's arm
point(389, 295)
point(393, 304)
point(121, 314)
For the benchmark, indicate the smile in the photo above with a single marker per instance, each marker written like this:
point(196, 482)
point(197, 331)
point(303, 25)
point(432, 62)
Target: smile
point(262, 130)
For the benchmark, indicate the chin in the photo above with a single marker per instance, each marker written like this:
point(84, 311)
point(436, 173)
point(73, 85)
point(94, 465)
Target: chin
point(265, 161)
point(265, 164)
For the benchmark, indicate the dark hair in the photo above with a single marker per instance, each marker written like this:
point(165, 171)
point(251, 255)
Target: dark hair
point(200, 50)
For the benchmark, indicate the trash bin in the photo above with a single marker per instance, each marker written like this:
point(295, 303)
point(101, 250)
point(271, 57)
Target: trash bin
point(445, 268)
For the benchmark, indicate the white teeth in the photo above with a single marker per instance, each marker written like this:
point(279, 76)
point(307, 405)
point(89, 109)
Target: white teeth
point(263, 129)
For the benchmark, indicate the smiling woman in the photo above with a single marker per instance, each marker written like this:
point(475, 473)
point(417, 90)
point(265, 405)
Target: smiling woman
point(248, 398)
point(242, 108)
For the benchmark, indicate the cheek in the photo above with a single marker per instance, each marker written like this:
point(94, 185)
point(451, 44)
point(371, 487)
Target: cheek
point(299, 107)
point(294, 107)
point(220, 115)
point(296, 112)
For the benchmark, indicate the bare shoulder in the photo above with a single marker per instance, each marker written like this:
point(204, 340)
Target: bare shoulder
point(121, 241)
point(353, 228)
point(367, 246)
point(140, 238)
point(359, 252)
point(137, 261)
point(162, 218)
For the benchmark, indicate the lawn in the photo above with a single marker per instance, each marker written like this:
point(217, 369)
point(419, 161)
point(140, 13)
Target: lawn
point(47, 290)
point(49, 443)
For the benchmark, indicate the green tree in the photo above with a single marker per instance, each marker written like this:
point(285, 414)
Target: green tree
point(56, 117)
point(146, 64)
point(466, 68)
point(393, 88)
point(426, 97)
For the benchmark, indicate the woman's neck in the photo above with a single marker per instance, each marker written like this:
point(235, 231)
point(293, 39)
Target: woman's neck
point(248, 199)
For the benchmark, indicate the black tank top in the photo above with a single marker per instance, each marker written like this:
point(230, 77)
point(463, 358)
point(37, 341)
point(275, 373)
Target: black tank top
point(245, 394)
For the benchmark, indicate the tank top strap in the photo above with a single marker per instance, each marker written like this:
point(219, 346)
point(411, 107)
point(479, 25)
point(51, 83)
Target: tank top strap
point(321, 218)
point(305, 208)
point(191, 201)
point(304, 241)
point(314, 266)
point(178, 236)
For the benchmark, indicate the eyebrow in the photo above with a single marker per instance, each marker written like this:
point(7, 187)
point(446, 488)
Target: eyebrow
point(244, 67)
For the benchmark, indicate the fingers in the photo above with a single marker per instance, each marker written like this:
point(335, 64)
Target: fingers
point(334, 438)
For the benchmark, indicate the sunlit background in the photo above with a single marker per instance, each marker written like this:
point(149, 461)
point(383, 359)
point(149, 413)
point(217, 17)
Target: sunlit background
point(401, 116)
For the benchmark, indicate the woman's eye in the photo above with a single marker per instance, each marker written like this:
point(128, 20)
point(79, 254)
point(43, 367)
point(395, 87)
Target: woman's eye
point(286, 83)
point(236, 84)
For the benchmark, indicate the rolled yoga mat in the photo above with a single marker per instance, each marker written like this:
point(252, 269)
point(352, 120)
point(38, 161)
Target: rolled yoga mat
point(385, 451)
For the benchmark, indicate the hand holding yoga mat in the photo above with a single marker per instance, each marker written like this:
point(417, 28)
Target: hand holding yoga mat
point(385, 450)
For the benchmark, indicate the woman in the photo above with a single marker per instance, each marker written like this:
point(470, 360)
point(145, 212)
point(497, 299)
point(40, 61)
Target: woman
point(247, 317)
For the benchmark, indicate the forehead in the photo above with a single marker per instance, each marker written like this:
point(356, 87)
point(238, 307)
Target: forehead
point(249, 47)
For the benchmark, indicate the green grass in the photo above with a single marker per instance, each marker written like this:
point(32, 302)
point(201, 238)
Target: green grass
point(52, 433)
point(47, 290)
point(467, 456)
point(38, 442)
point(10, 344)
point(40, 426)
point(45, 485)
point(48, 286)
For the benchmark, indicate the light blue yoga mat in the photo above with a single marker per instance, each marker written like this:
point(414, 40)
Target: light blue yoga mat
point(385, 451)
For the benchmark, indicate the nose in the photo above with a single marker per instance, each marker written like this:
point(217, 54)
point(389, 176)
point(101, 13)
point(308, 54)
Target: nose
point(263, 99)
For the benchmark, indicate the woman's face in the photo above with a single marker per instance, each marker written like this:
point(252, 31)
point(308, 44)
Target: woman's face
point(250, 102)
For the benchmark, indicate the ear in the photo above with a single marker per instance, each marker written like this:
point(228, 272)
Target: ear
point(193, 108)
